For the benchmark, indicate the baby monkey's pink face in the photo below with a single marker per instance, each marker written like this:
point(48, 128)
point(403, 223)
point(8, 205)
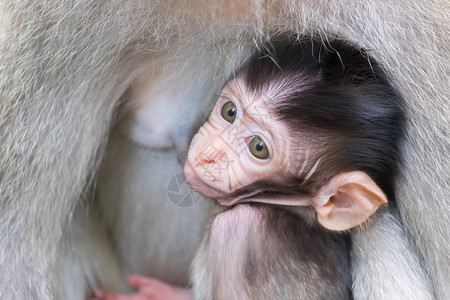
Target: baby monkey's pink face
point(240, 144)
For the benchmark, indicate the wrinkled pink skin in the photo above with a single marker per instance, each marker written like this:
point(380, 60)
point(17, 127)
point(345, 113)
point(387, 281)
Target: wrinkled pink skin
point(219, 161)
point(147, 289)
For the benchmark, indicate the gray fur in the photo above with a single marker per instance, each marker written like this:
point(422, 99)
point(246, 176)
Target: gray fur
point(267, 252)
point(380, 250)
point(65, 65)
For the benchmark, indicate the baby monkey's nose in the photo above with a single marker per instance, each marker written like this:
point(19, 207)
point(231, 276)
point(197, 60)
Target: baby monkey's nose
point(210, 158)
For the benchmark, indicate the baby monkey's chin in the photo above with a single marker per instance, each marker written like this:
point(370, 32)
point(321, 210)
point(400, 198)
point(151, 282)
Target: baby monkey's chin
point(198, 184)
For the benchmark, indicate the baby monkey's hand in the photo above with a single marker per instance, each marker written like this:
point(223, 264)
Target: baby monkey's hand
point(147, 289)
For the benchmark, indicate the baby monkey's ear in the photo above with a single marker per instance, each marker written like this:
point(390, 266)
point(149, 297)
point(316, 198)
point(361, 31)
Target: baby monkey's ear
point(347, 200)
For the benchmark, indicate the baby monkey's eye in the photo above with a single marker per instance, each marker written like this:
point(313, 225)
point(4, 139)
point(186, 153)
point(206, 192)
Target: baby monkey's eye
point(228, 111)
point(258, 148)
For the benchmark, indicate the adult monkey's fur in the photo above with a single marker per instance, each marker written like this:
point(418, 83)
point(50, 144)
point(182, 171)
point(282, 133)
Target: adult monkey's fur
point(64, 66)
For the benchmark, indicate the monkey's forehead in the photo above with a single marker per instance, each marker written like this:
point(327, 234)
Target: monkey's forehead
point(270, 94)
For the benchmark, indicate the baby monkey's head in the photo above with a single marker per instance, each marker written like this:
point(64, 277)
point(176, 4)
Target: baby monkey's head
point(303, 123)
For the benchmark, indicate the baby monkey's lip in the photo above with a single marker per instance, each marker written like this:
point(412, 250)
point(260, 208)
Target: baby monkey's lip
point(198, 184)
point(246, 198)
point(230, 201)
point(274, 200)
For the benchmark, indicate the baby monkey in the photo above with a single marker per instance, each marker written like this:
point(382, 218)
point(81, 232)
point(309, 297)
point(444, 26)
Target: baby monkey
point(312, 129)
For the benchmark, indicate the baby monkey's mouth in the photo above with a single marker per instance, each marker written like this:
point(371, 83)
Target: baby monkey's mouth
point(197, 183)
point(233, 200)
point(246, 195)
point(267, 197)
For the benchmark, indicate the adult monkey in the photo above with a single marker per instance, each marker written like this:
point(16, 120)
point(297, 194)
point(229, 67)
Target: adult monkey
point(66, 65)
